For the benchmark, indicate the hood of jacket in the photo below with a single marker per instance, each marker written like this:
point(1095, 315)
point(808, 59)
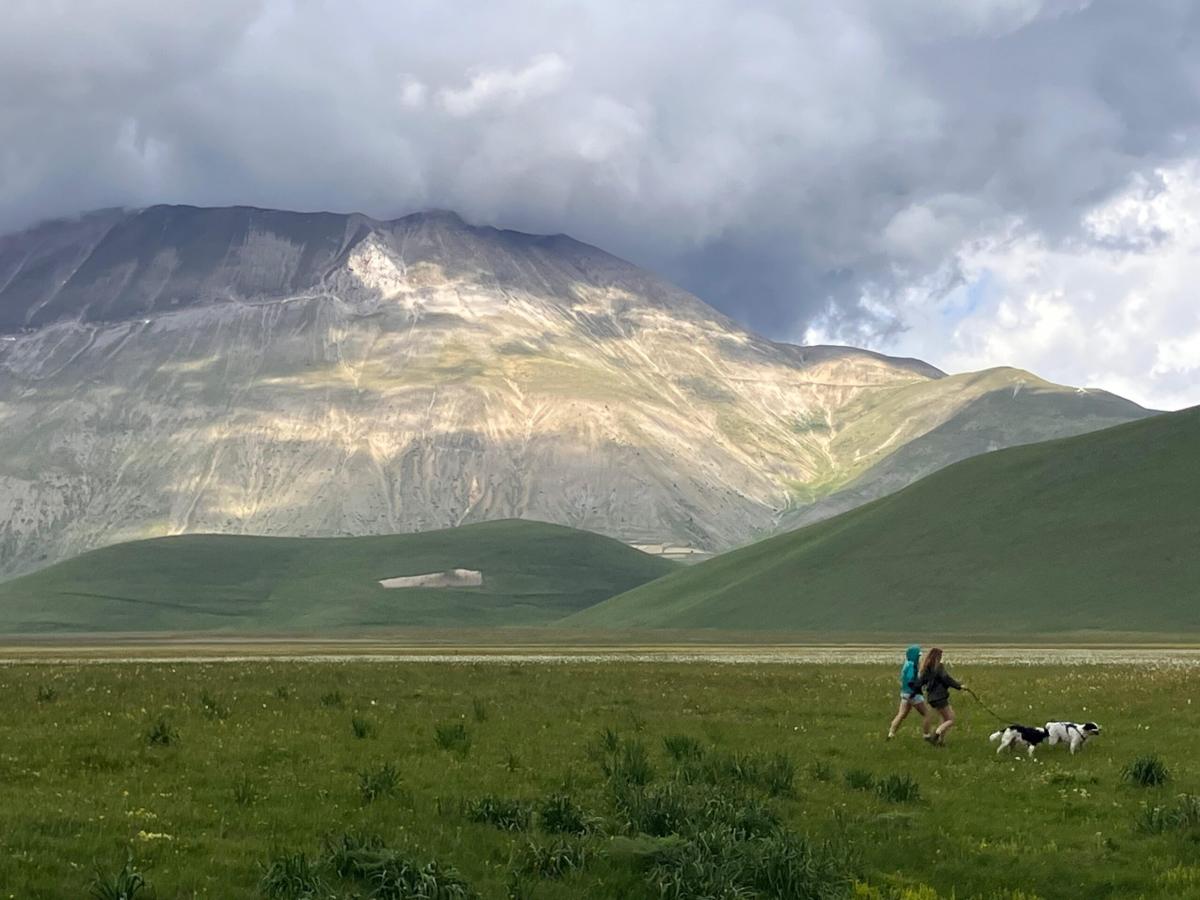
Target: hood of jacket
point(913, 654)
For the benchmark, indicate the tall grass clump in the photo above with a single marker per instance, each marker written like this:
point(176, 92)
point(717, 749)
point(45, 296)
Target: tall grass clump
point(333, 699)
point(1183, 813)
point(553, 859)
point(627, 764)
point(559, 814)
point(391, 875)
point(479, 709)
point(453, 736)
point(718, 864)
point(161, 733)
point(244, 792)
point(292, 876)
point(778, 774)
point(127, 883)
point(46, 693)
point(502, 813)
point(1146, 770)
point(376, 783)
point(362, 728)
point(898, 789)
point(682, 747)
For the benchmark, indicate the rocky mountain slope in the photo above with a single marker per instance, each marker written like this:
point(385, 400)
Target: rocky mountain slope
point(175, 370)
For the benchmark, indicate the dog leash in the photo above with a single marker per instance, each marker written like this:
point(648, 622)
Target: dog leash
point(987, 708)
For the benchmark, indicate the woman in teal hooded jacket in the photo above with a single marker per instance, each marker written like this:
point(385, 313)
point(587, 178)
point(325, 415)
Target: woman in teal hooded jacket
point(910, 693)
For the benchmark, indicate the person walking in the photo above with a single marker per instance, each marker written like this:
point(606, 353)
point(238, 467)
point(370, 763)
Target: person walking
point(910, 693)
point(935, 683)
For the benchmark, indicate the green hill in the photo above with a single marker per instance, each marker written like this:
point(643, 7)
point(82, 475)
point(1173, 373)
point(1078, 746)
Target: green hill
point(532, 573)
point(1099, 532)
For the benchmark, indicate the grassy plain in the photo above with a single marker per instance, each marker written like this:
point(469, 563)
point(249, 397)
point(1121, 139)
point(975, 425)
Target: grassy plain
point(216, 777)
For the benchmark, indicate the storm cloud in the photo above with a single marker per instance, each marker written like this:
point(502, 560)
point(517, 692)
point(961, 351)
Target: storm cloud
point(804, 166)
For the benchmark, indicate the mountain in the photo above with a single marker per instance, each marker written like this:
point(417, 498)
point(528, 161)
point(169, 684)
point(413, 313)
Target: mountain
point(531, 573)
point(178, 370)
point(1092, 533)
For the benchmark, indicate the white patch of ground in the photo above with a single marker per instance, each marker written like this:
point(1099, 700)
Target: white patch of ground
point(452, 578)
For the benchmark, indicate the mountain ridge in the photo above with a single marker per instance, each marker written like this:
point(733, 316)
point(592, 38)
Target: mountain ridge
point(425, 374)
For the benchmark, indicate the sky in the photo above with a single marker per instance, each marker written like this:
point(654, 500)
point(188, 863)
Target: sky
point(999, 182)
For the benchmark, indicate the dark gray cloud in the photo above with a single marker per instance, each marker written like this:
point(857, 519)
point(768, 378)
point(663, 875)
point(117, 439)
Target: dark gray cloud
point(783, 160)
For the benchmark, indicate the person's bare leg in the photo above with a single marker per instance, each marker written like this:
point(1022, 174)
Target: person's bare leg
point(901, 715)
point(947, 713)
point(926, 720)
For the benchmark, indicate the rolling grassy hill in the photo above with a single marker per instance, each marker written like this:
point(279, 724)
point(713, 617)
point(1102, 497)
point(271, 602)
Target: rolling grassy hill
point(1097, 532)
point(532, 573)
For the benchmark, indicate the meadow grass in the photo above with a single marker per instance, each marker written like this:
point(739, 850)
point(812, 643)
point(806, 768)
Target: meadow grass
point(635, 780)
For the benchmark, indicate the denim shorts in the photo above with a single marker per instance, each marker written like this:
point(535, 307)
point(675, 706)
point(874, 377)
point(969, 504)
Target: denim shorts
point(914, 699)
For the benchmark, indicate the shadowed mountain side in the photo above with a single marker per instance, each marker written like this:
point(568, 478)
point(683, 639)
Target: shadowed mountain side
point(532, 573)
point(1096, 532)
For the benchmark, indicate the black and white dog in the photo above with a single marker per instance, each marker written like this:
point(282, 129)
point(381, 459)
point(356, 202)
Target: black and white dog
point(1075, 736)
point(1017, 736)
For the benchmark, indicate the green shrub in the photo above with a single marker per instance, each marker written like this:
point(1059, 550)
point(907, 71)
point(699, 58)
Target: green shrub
point(46, 693)
point(683, 747)
point(553, 859)
point(1181, 814)
point(898, 789)
point(161, 734)
point(1146, 770)
point(362, 728)
point(559, 814)
point(505, 814)
point(292, 876)
point(860, 780)
point(125, 884)
point(376, 783)
point(453, 736)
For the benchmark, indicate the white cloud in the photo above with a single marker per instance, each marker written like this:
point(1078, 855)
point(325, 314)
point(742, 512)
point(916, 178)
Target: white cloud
point(502, 89)
point(787, 160)
point(1116, 308)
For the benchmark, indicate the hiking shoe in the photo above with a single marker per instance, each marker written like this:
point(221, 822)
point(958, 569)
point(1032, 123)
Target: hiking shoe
point(930, 738)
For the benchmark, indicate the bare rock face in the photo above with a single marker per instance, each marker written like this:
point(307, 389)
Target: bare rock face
point(237, 370)
point(455, 578)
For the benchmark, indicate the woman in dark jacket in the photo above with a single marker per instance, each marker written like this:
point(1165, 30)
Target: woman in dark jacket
point(935, 685)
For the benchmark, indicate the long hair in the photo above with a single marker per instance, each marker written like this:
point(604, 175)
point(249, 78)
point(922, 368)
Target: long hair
point(932, 660)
